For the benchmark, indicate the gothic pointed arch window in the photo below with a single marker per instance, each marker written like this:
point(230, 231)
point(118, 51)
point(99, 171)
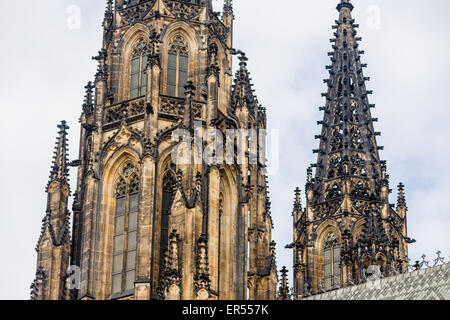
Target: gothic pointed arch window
point(337, 141)
point(138, 76)
point(356, 138)
point(125, 230)
point(177, 67)
point(167, 201)
point(352, 87)
point(332, 260)
point(340, 88)
point(338, 114)
point(335, 167)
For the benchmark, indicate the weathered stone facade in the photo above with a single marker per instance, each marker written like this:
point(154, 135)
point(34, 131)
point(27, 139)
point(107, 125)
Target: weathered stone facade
point(348, 224)
point(146, 226)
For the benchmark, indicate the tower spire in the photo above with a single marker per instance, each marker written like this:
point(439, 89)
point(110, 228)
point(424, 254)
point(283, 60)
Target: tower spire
point(350, 186)
point(348, 145)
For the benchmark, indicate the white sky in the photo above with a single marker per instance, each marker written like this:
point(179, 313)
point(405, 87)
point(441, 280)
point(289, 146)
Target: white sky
point(44, 66)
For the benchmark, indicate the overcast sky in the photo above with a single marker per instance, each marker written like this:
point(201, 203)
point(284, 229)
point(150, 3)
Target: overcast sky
point(45, 62)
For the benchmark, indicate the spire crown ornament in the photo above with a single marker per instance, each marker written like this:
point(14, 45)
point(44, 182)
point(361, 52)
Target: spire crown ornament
point(345, 4)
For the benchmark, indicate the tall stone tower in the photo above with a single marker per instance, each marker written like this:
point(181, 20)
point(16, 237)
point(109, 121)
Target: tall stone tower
point(147, 225)
point(348, 224)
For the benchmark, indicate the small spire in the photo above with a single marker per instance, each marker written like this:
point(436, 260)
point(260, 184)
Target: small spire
point(213, 67)
point(88, 105)
point(243, 92)
point(298, 201)
point(60, 170)
point(109, 13)
point(153, 56)
point(284, 287)
point(401, 200)
point(38, 284)
point(102, 70)
point(189, 112)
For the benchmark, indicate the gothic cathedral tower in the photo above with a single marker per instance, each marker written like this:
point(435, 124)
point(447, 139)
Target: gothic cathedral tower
point(348, 226)
point(145, 225)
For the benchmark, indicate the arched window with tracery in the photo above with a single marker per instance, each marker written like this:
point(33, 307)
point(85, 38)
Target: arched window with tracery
point(332, 260)
point(167, 201)
point(138, 85)
point(177, 68)
point(125, 230)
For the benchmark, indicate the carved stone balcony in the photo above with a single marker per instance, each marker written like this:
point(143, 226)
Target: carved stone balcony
point(171, 108)
point(130, 111)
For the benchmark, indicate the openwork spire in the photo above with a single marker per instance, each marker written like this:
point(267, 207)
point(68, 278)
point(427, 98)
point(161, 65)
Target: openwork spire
point(348, 145)
point(350, 186)
point(60, 169)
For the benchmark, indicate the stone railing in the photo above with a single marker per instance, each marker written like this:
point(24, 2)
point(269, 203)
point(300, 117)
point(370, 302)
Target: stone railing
point(131, 110)
point(184, 9)
point(175, 107)
point(134, 110)
point(133, 10)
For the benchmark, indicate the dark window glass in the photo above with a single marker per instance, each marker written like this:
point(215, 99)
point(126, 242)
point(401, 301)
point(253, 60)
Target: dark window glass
point(138, 77)
point(167, 199)
point(177, 68)
point(332, 260)
point(125, 231)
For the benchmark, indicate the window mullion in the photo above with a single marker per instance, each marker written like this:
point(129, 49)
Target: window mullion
point(177, 73)
point(332, 264)
point(125, 238)
point(140, 76)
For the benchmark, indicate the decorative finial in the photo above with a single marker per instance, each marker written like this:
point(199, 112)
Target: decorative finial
point(297, 202)
point(309, 174)
point(213, 67)
point(227, 7)
point(153, 55)
point(189, 112)
point(284, 287)
point(401, 200)
point(345, 4)
point(88, 105)
point(243, 60)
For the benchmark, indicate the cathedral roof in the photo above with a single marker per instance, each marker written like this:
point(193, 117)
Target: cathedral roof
point(426, 284)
